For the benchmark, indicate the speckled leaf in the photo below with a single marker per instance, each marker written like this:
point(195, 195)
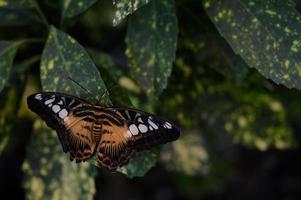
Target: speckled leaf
point(11, 17)
point(49, 174)
point(266, 34)
point(262, 123)
point(71, 8)
point(64, 59)
point(7, 54)
point(116, 78)
point(9, 125)
point(126, 7)
point(17, 13)
point(141, 164)
point(151, 44)
point(188, 155)
point(16, 4)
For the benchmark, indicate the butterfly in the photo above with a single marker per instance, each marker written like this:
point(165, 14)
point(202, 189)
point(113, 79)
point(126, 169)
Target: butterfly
point(114, 134)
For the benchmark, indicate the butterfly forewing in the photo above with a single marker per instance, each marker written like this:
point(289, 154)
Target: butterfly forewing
point(146, 130)
point(73, 131)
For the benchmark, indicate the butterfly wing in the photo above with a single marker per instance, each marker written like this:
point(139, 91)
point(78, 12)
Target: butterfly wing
point(127, 131)
point(74, 131)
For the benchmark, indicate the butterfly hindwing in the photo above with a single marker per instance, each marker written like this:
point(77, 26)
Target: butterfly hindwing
point(78, 138)
point(135, 131)
point(74, 132)
point(113, 150)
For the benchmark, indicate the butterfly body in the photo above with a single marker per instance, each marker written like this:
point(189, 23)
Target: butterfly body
point(114, 134)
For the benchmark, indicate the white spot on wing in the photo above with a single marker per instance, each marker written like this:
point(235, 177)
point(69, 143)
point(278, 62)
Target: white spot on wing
point(151, 128)
point(128, 114)
point(167, 125)
point(142, 128)
point(56, 108)
point(134, 130)
point(72, 101)
point(152, 123)
point(38, 96)
point(140, 120)
point(60, 102)
point(137, 115)
point(49, 101)
point(63, 113)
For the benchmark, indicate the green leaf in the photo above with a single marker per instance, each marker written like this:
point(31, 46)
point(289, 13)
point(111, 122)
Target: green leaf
point(17, 13)
point(253, 114)
point(116, 78)
point(16, 4)
point(7, 54)
point(107, 62)
point(140, 164)
point(151, 44)
point(11, 17)
point(49, 174)
point(126, 7)
point(71, 8)
point(260, 121)
point(9, 105)
point(188, 155)
point(66, 67)
point(260, 33)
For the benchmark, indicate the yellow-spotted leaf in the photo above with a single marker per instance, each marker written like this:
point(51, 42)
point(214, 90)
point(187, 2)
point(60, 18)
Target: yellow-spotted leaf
point(126, 7)
point(66, 67)
point(266, 34)
point(18, 12)
point(140, 164)
point(49, 174)
point(71, 8)
point(16, 4)
point(7, 54)
point(151, 44)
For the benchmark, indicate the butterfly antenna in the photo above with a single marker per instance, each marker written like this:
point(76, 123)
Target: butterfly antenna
point(106, 92)
point(82, 87)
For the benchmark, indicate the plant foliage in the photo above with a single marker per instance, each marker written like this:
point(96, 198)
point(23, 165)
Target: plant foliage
point(167, 57)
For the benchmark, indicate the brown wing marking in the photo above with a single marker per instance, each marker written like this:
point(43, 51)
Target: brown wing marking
point(77, 138)
point(113, 151)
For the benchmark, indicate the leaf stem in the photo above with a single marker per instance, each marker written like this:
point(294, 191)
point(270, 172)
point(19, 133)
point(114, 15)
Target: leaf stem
point(33, 40)
point(41, 14)
point(26, 64)
point(28, 40)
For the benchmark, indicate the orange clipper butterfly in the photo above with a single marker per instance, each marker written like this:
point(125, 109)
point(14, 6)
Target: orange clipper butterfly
point(114, 134)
